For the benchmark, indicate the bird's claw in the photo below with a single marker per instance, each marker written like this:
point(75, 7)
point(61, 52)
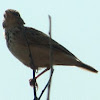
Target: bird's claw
point(31, 82)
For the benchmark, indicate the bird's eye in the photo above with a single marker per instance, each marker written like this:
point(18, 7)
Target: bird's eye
point(16, 14)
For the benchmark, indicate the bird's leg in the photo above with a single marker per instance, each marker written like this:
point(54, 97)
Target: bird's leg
point(42, 73)
point(31, 81)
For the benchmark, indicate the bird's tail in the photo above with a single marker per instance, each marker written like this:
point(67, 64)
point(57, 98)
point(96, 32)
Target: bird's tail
point(87, 67)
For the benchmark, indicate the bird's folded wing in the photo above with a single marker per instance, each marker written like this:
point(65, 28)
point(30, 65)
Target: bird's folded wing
point(39, 38)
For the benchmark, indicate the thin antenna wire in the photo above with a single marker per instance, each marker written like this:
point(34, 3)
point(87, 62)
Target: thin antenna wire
point(32, 64)
point(51, 63)
point(51, 59)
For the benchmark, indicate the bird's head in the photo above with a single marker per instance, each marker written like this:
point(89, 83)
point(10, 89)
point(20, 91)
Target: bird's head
point(12, 19)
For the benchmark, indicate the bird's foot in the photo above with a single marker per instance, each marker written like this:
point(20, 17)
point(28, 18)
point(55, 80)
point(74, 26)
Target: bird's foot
point(31, 82)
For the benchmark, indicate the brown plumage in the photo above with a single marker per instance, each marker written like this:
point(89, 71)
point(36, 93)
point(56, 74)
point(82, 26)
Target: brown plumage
point(15, 33)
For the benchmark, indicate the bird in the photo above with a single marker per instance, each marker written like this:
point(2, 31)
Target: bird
point(18, 36)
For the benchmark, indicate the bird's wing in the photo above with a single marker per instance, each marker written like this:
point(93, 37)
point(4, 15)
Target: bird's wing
point(39, 38)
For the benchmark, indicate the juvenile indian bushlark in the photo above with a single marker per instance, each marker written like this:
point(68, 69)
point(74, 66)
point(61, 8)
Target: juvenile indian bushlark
point(15, 33)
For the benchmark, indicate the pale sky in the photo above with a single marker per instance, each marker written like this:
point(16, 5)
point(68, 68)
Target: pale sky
point(75, 25)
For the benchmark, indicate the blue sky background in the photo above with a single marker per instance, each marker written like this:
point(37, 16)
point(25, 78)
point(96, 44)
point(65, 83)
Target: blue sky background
point(75, 25)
